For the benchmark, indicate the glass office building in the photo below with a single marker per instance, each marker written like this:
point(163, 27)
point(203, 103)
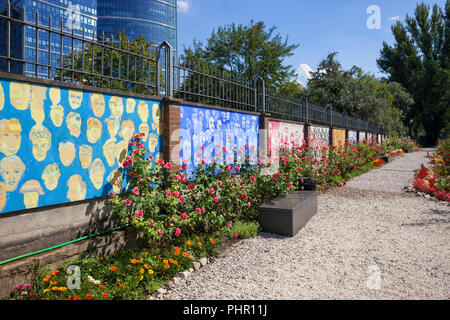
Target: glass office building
point(72, 14)
point(156, 20)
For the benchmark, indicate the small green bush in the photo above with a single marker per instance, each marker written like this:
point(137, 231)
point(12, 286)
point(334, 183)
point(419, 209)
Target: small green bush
point(244, 230)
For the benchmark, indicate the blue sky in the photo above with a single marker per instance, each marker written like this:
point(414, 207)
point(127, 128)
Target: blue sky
point(319, 27)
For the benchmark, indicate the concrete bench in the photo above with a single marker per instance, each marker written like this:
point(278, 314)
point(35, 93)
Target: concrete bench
point(387, 159)
point(288, 214)
point(309, 184)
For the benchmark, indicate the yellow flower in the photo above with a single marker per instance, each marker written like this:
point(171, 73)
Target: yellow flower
point(55, 288)
point(142, 271)
point(46, 290)
point(175, 262)
point(146, 266)
point(171, 260)
point(62, 288)
point(184, 254)
point(199, 243)
point(189, 242)
point(151, 271)
point(141, 277)
point(165, 262)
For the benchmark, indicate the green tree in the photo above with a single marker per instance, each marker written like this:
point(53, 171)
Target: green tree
point(123, 65)
point(420, 61)
point(247, 52)
point(354, 92)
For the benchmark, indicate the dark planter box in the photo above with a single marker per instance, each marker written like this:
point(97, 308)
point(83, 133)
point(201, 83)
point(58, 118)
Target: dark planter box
point(387, 159)
point(288, 214)
point(308, 183)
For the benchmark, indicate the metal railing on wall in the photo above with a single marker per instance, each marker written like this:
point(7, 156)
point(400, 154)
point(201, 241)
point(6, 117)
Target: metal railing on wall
point(107, 61)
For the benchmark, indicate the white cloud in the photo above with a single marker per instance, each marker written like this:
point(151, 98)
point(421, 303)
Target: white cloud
point(183, 5)
point(396, 18)
point(304, 73)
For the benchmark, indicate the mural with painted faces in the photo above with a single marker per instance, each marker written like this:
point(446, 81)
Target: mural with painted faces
point(97, 173)
point(37, 103)
point(20, 95)
point(143, 111)
point(75, 98)
point(2, 98)
point(113, 126)
point(97, 103)
point(109, 150)
point(85, 155)
point(51, 175)
point(66, 152)
point(116, 106)
point(144, 128)
point(152, 142)
point(73, 123)
point(76, 188)
point(94, 130)
point(131, 105)
point(2, 195)
point(56, 109)
point(10, 136)
point(41, 140)
point(11, 170)
point(127, 130)
point(31, 191)
point(156, 113)
point(115, 179)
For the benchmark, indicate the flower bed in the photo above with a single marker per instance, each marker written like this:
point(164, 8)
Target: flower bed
point(434, 180)
point(184, 217)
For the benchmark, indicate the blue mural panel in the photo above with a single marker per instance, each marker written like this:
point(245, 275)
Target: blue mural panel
point(59, 145)
point(212, 135)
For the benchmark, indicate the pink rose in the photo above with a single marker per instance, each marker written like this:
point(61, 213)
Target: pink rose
point(219, 183)
point(230, 224)
point(127, 202)
point(176, 194)
point(167, 193)
point(216, 200)
point(152, 223)
point(135, 191)
point(177, 232)
point(181, 199)
point(183, 216)
point(198, 210)
point(253, 178)
point(236, 235)
point(211, 191)
point(160, 233)
point(139, 214)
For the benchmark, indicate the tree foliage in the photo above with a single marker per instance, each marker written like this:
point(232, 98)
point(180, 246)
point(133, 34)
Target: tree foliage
point(358, 94)
point(420, 61)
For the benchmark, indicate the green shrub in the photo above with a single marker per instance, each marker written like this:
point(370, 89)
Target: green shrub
point(244, 230)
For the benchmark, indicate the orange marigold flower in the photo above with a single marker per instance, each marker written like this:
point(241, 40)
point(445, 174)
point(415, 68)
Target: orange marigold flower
point(189, 242)
point(113, 268)
point(175, 262)
point(199, 243)
point(166, 266)
point(146, 266)
point(184, 254)
point(89, 296)
point(177, 253)
point(105, 294)
point(133, 261)
point(171, 260)
point(212, 240)
point(53, 283)
point(176, 248)
point(46, 278)
point(165, 262)
point(101, 286)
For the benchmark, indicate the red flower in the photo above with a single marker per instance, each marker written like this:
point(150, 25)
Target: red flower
point(176, 194)
point(244, 197)
point(191, 186)
point(183, 216)
point(177, 232)
point(211, 191)
point(168, 166)
point(253, 178)
point(167, 193)
point(198, 210)
point(139, 214)
point(135, 191)
point(132, 174)
point(127, 202)
point(184, 167)
point(181, 199)
point(112, 195)
point(160, 233)
point(216, 200)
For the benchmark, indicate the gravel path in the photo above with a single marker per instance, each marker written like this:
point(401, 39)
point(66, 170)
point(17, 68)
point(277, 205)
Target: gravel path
point(368, 240)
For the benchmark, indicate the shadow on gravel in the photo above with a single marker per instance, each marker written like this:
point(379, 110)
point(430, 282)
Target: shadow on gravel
point(438, 217)
point(271, 236)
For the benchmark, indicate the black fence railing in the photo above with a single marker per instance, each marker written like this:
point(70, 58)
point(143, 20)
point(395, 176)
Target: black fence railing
point(56, 52)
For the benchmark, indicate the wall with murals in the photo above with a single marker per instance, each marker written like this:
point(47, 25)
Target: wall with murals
point(281, 134)
point(60, 145)
point(217, 136)
point(319, 138)
point(338, 137)
point(352, 136)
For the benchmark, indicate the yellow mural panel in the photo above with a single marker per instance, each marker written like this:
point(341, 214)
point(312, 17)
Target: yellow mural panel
point(77, 188)
point(94, 130)
point(11, 170)
point(85, 155)
point(97, 103)
point(97, 173)
point(31, 191)
point(20, 95)
point(66, 153)
point(338, 137)
point(41, 139)
point(51, 175)
point(75, 98)
point(73, 123)
point(56, 109)
point(131, 105)
point(10, 136)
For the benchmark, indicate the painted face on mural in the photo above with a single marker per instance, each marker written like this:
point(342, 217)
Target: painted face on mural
point(2, 98)
point(109, 149)
point(37, 103)
point(57, 115)
point(131, 105)
point(55, 95)
point(75, 98)
point(127, 130)
point(11, 170)
point(113, 125)
point(152, 142)
point(2, 195)
point(66, 152)
point(97, 173)
point(121, 152)
point(143, 111)
point(85, 155)
point(115, 179)
point(97, 103)
point(116, 106)
point(40, 138)
point(144, 128)
point(51, 175)
point(211, 124)
point(31, 191)
point(77, 188)
point(20, 95)
point(10, 136)
point(73, 123)
point(94, 130)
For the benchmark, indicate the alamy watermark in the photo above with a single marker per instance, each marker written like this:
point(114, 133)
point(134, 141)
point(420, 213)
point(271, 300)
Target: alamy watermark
point(373, 281)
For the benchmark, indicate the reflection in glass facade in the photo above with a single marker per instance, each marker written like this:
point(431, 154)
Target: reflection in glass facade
point(74, 14)
point(156, 20)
